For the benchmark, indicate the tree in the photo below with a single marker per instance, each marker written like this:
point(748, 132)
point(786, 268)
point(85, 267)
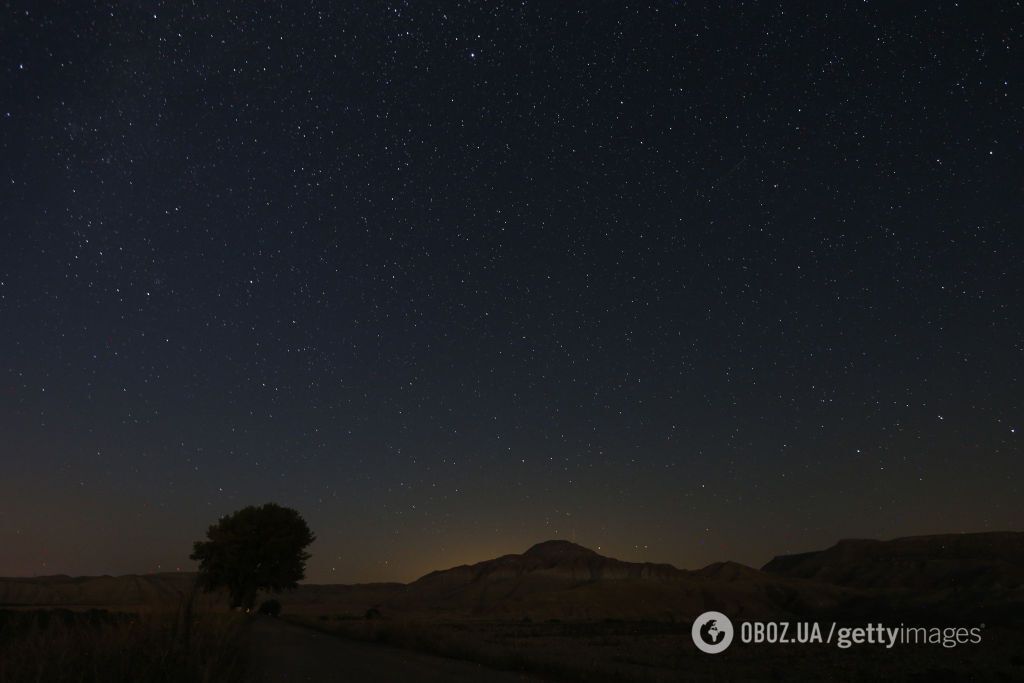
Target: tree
point(256, 548)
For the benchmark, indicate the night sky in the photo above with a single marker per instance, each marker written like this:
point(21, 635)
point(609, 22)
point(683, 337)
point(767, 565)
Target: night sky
point(681, 282)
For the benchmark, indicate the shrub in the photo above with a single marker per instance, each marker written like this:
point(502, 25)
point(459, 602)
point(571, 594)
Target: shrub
point(270, 608)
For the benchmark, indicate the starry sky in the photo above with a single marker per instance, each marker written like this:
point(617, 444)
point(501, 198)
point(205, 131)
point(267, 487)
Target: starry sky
point(680, 281)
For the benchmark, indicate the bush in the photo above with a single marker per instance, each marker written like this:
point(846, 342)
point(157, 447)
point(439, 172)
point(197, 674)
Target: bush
point(270, 608)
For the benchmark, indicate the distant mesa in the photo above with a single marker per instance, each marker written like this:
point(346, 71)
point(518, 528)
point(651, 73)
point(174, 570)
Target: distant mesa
point(990, 561)
point(559, 579)
point(559, 550)
point(548, 561)
point(729, 571)
point(61, 590)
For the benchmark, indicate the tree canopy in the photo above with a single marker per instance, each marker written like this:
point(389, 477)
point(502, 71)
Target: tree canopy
point(256, 548)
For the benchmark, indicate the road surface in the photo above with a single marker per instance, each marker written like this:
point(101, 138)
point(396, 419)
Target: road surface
point(282, 652)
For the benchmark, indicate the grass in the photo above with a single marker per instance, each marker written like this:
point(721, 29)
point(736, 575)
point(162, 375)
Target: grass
point(508, 646)
point(98, 646)
point(656, 652)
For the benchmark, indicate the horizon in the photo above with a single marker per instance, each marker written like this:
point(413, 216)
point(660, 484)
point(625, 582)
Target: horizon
point(338, 580)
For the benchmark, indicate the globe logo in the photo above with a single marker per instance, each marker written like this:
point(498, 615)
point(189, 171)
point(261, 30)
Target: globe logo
point(712, 632)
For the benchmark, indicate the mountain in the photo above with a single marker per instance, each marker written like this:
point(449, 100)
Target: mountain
point(991, 561)
point(979, 575)
point(557, 560)
point(94, 591)
point(559, 579)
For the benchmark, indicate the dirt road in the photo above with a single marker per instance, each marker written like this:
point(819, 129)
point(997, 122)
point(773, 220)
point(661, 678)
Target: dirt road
point(284, 652)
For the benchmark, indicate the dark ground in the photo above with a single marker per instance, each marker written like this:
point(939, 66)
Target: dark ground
point(285, 652)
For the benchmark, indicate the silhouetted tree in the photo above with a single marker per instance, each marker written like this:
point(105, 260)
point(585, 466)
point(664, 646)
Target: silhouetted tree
point(256, 548)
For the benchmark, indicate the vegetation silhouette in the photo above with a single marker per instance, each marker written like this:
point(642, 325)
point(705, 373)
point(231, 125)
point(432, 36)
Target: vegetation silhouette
point(270, 608)
point(256, 548)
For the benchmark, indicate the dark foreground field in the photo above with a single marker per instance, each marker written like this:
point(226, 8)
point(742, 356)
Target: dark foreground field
point(280, 651)
point(97, 646)
point(647, 652)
